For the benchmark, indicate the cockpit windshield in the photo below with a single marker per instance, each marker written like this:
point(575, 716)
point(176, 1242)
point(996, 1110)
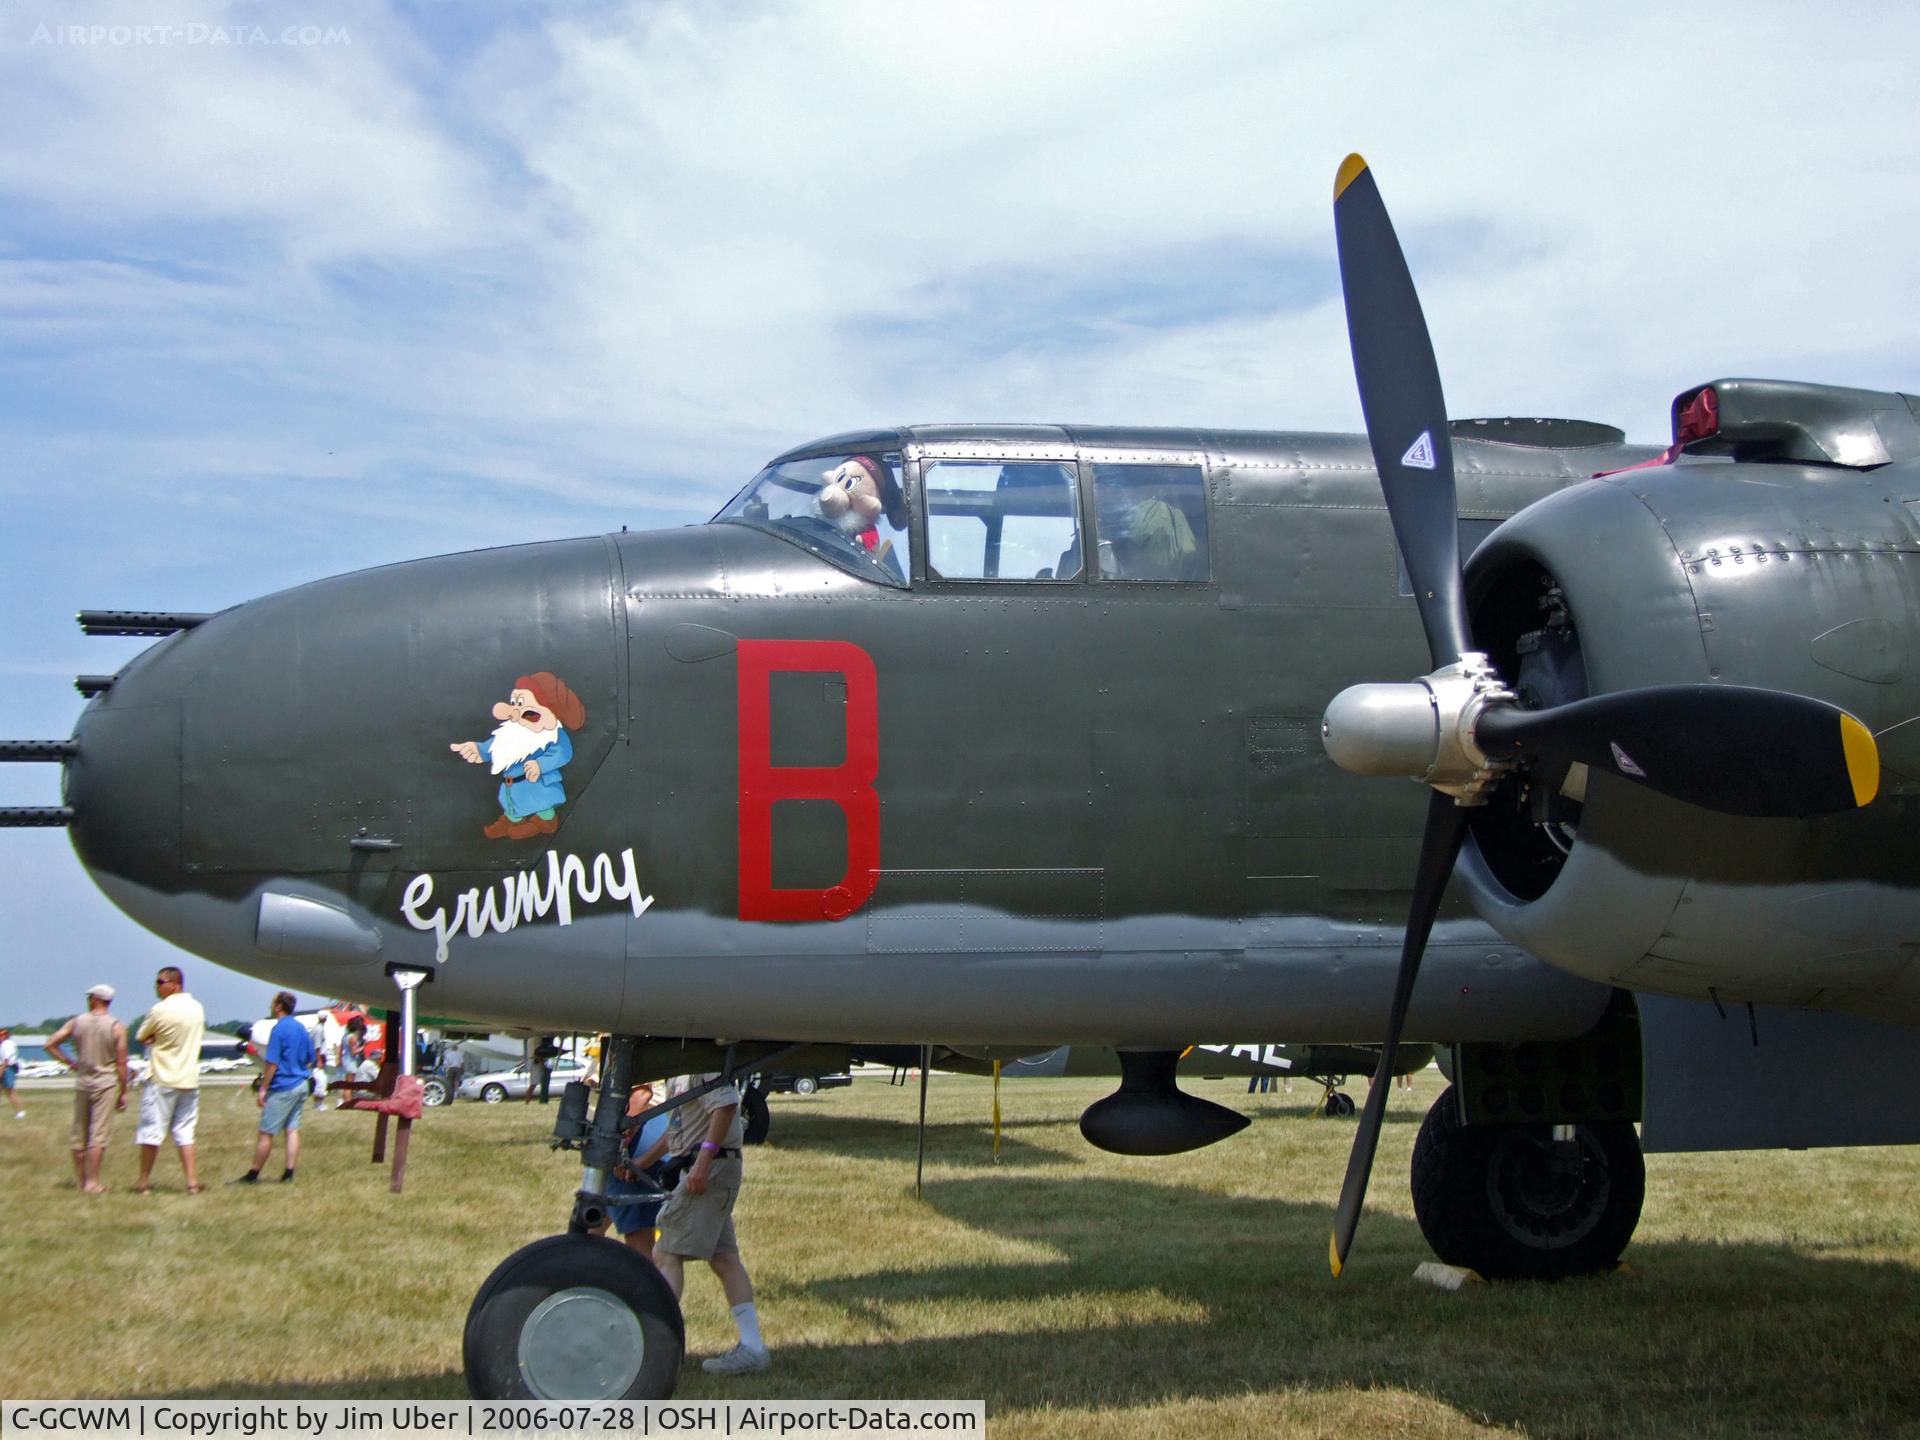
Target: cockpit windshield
point(849, 509)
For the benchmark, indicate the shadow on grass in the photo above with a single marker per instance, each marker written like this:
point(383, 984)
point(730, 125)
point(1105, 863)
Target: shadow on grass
point(426, 1385)
point(970, 1142)
point(1695, 1338)
point(949, 1143)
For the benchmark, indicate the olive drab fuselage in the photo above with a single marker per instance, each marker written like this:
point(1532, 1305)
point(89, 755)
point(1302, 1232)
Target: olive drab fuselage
point(998, 785)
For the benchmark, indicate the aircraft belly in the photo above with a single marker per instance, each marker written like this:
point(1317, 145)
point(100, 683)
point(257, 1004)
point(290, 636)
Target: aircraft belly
point(1129, 982)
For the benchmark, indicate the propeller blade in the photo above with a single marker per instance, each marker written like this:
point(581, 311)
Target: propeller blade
point(1730, 748)
point(1439, 848)
point(1400, 396)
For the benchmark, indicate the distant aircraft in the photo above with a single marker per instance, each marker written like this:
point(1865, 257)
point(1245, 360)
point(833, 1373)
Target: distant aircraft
point(1014, 736)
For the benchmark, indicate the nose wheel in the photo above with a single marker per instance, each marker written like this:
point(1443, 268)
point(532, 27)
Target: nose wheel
point(573, 1317)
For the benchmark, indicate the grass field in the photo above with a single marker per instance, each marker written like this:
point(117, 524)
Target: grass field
point(1078, 1293)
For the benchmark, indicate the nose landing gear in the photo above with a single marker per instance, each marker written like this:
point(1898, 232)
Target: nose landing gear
point(574, 1316)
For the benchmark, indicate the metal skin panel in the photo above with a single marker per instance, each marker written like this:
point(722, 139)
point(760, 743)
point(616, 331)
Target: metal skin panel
point(1663, 571)
point(1719, 1079)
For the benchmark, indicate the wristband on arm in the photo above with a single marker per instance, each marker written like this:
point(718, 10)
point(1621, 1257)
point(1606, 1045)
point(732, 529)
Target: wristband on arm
point(709, 1147)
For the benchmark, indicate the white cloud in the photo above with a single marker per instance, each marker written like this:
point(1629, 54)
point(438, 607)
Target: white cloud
point(127, 112)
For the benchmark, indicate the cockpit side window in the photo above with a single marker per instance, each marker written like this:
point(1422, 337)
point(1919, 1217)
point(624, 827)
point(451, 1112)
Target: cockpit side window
point(1002, 520)
point(1152, 521)
point(849, 509)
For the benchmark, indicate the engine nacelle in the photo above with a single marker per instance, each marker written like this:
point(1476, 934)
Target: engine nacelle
point(1796, 578)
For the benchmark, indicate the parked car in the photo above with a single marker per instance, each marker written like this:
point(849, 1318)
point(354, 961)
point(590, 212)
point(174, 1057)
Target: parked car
point(513, 1084)
point(782, 1084)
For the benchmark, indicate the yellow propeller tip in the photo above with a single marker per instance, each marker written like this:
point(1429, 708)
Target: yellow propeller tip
point(1863, 759)
point(1351, 169)
point(1333, 1254)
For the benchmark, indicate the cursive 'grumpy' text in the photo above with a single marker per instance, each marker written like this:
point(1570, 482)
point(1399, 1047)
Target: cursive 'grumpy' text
point(524, 896)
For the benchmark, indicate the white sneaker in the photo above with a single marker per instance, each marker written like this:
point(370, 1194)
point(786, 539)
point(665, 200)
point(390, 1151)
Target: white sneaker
point(737, 1361)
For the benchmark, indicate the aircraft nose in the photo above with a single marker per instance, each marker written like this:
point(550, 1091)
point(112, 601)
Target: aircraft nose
point(123, 782)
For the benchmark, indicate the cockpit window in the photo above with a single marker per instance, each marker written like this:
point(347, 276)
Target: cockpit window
point(1153, 521)
point(849, 509)
point(1002, 520)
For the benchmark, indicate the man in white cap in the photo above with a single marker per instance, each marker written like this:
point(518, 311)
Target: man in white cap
point(100, 1056)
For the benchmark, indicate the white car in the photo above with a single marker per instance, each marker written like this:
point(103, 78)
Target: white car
point(512, 1084)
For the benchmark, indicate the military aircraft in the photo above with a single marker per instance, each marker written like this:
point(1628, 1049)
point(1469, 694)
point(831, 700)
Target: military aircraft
point(1009, 736)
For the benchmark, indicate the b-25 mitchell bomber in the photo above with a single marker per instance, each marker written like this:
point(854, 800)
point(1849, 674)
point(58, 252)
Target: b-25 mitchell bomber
point(1009, 736)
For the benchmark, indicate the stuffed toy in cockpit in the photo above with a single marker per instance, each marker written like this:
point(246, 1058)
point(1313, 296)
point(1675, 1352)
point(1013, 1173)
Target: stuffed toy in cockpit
point(856, 494)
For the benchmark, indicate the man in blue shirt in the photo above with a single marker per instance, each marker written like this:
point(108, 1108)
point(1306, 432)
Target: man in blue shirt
point(283, 1088)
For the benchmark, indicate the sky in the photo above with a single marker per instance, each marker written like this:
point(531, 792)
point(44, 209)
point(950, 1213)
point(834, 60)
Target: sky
point(291, 290)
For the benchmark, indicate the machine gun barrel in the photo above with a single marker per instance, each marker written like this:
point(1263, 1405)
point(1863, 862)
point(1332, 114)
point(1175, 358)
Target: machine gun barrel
point(38, 750)
point(21, 816)
point(136, 622)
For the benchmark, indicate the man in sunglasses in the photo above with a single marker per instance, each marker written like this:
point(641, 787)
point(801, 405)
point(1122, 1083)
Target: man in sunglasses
point(170, 1101)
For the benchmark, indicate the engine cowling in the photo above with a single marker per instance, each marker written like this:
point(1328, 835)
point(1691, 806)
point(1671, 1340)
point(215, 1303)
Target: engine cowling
point(1796, 578)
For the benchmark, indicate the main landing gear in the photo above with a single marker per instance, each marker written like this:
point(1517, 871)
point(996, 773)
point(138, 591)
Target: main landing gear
point(1527, 1202)
point(574, 1316)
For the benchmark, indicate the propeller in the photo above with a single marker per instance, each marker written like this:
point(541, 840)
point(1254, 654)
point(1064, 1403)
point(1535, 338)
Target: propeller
point(1740, 750)
point(1400, 397)
point(1731, 748)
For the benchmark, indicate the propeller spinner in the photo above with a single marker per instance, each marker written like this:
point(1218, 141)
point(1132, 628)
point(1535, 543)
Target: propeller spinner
point(1460, 729)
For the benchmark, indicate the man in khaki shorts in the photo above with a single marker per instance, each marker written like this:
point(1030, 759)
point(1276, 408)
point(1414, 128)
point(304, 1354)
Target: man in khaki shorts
point(696, 1223)
point(99, 1056)
point(170, 1101)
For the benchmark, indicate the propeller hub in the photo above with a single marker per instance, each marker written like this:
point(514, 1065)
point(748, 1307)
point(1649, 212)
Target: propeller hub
point(1423, 729)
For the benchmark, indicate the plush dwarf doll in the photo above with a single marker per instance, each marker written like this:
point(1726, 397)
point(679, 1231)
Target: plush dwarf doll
point(857, 493)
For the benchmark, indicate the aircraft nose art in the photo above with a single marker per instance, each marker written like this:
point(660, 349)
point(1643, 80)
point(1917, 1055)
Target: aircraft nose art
point(265, 788)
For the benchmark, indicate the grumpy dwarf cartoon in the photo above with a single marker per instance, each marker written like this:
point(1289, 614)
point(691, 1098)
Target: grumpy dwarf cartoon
point(527, 750)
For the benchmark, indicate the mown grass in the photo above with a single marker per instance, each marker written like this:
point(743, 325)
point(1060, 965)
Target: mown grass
point(1078, 1293)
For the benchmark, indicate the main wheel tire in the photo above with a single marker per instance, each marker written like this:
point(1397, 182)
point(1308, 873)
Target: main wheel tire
point(435, 1094)
point(493, 1094)
point(805, 1085)
point(1512, 1203)
point(753, 1104)
point(573, 1317)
